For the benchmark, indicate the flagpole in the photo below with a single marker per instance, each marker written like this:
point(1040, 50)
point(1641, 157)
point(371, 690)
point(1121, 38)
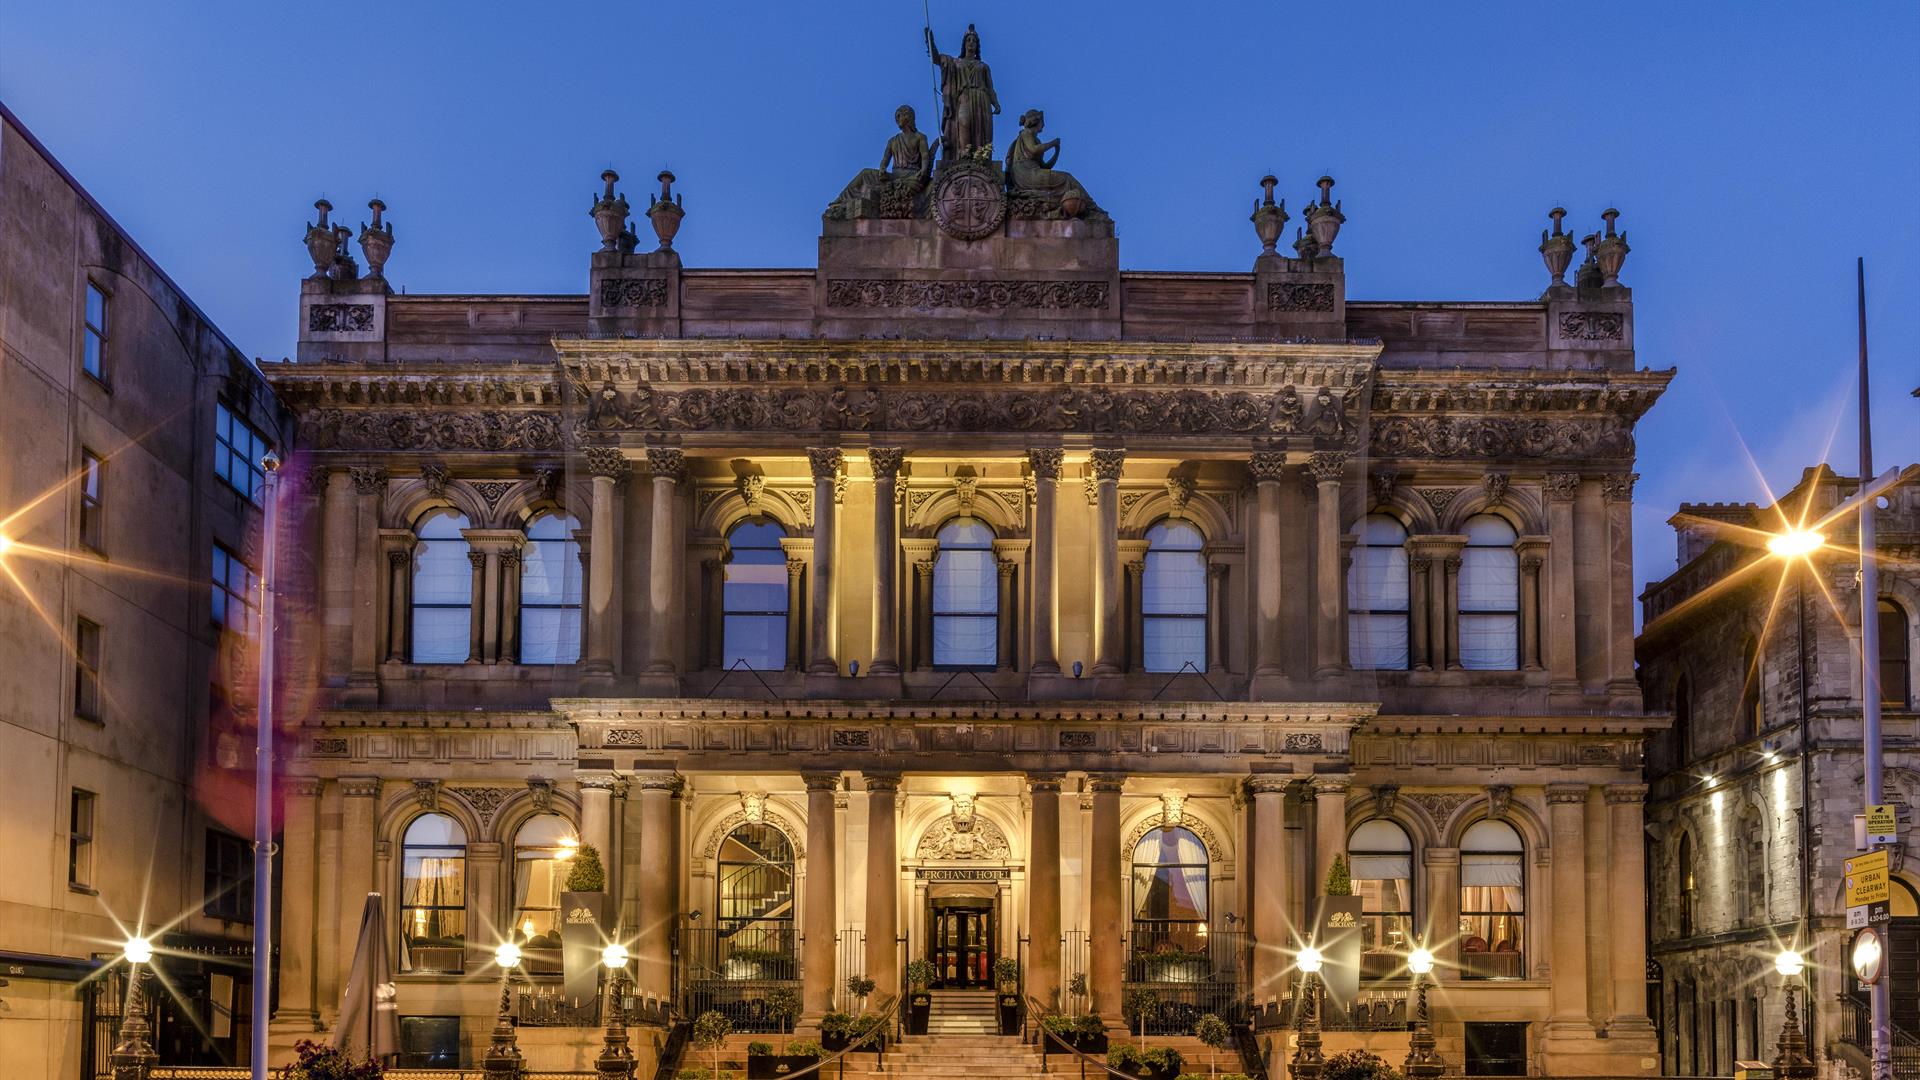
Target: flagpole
point(263, 775)
point(1882, 1062)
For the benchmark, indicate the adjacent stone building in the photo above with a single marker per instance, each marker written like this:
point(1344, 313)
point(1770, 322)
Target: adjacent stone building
point(964, 597)
point(130, 431)
point(1755, 787)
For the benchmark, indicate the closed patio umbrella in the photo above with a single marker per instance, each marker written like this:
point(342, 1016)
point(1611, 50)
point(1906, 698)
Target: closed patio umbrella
point(369, 1025)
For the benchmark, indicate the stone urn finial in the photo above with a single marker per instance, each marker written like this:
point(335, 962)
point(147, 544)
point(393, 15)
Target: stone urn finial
point(1268, 217)
point(609, 212)
point(1325, 219)
point(376, 240)
point(665, 211)
point(322, 245)
point(1611, 251)
point(1556, 248)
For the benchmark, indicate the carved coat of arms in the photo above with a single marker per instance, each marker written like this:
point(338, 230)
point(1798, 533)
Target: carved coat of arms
point(969, 200)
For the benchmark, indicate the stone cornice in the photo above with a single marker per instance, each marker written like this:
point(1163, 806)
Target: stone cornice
point(368, 386)
point(1569, 724)
point(1414, 391)
point(1341, 715)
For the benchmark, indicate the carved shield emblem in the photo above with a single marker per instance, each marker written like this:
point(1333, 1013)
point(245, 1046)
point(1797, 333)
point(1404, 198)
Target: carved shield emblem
point(969, 200)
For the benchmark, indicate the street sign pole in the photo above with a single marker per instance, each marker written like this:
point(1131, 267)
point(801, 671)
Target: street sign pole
point(1870, 663)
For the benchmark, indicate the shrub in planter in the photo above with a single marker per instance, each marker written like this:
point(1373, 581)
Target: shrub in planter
point(1139, 1004)
point(1083, 1033)
point(1358, 1065)
point(1213, 1031)
point(316, 1061)
point(764, 1064)
point(759, 1049)
point(864, 1025)
point(835, 1028)
point(710, 1031)
point(919, 1000)
point(861, 988)
point(782, 1005)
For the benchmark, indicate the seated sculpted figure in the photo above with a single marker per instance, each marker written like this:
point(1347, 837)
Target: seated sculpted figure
point(890, 190)
point(1030, 170)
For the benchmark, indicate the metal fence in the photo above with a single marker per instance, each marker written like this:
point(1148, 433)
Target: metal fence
point(731, 971)
point(1856, 1028)
point(1177, 973)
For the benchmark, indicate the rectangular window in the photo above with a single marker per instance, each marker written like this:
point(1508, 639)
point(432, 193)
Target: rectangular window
point(93, 345)
point(80, 839)
point(235, 592)
point(86, 670)
point(229, 877)
point(93, 517)
point(237, 449)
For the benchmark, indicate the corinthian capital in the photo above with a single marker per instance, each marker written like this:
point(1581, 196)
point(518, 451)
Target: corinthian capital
point(825, 461)
point(885, 461)
point(1106, 464)
point(1267, 465)
point(605, 461)
point(1045, 461)
point(669, 462)
point(368, 479)
point(1327, 465)
point(1618, 487)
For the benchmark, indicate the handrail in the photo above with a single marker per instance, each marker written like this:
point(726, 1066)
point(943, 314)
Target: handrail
point(1039, 1008)
point(879, 1028)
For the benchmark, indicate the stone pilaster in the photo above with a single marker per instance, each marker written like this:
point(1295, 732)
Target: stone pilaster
point(1326, 467)
point(326, 919)
point(1109, 630)
point(825, 462)
point(1626, 928)
point(1533, 551)
point(1045, 462)
point(659, 855)
point(1617, 491)
point(798, 552)
point(1043, 888)
point(1270, 862)
point(1216, 616)
point(596, 812)
point(608, 466)
point(1267, 467)
point(1329, 825)
point(298, 873)
point(883, 882)
point(1441, 928)
point(358, 813)
point(1566, 820)
point(666, 557)
point(1562, 663)
point(369, 484)
point(336, 577)
point(1419, 611)
point(1107, 925)
point(817, 974)
point(884, 461)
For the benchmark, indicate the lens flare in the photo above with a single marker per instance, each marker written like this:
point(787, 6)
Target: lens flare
point(1796, 543)
point(137, 950)
point(1309, 960)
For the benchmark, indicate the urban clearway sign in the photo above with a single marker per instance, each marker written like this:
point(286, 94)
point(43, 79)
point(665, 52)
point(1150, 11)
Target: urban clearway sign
point(1868, 879)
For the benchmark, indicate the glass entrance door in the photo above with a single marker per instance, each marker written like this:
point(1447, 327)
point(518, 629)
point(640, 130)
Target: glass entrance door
point(962, 945)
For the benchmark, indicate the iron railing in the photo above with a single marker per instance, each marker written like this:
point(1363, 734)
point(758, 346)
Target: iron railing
point(1856, 1029)
point(1190, 970)
point(732, 970)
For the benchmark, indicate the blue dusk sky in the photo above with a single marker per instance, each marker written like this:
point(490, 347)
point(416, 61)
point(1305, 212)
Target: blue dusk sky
point(1753, 149)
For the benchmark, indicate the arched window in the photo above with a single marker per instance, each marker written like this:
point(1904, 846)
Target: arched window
point(1896, 656)
point(541, 852)
point(1493, 902)
point(1753, 841)
point(433, 894)
point(442, 590)
point(1377, 595)
point(1689, 893)
point(754, 597)
point(1169, 895)
point(754, 897)
point(1489, 595)
point(1749, 715)
point(550, 592)
point(966, 596)
point(1173, 599)
point(1381, 860)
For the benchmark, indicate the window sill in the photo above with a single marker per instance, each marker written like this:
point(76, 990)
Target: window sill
point(83, 890)
point(94, 720)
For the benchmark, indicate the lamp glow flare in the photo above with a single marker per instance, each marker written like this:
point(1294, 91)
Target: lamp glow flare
point(1795, 543)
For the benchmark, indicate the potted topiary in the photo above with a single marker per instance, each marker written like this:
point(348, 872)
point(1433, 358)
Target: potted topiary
point(867, 1033)
point(318, 1061)
point(919, 997)
point(1086, 1033)
point(710, 1033)
point(1137, 1006)
point(1358, 1065)
point(1153, 1063)
point(1214, 1032)
point(836, 1028)
point(585, 923)
point(1336, 933)
point(782, 1006)
point(1006, 979)
point(861, 987)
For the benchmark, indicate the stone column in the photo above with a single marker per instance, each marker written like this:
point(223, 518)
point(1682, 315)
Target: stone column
point(1267, 466)
point(825, 461)
point(608, 465)
point(1530, 563)
point(666, 556)
point(1216, 616)
point(1452, 610)
point(1106, 924)
point(398, 571)
point(1329, 826)
point(1006, 658)
point(1326, 467)
point(1135, 603)
point(326, 919)
point(336, 577)
point(477, 603)
point(510, 605)
point(1561, 659)
point(368, 485)
point(796, 601)
point(1108, 651)
point(1043, 888)
point(1617, 489)
point(1442, 930)
point(923, 613)
point(484, 896)
point(884, 461)
point(1566, 815)
point(816, 956)
point(358, 813)
point(653, 959)
point(297, 873)
point(1419, 619)
point(713, 583)
point(883, 884)
point(1269, 865)
point(1045, 462)
point(596, 813)
point(1627, 913)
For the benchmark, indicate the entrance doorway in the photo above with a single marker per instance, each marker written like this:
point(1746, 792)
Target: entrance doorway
point(961, 942)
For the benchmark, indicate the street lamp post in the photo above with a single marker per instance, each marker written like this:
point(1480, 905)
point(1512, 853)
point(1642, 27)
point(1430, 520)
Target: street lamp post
point(263, 773)
point(1790, 1060)
point(1870, 670)
point(133, 1055)
point(503, 1060)
point(1422, 1059)
point(1307, 1060)
point(616, 1057)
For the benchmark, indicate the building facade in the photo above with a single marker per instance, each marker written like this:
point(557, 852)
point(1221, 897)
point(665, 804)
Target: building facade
point(128, 546)
point(1755, 787)
point(965, 598)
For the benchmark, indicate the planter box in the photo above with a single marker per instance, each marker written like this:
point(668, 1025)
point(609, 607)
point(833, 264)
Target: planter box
point(1009, 1014)
point(774, 1066)
point(833, 1044)
point(1086, 1044)
point(919, 1009)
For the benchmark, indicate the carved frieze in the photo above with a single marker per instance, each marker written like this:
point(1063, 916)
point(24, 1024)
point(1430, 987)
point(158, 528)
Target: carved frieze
point(633, 292)
point(1501, 437)
point(1440, 805)
point(1592, 325)
point(1002, 294)
point(1300, 296)
point(340, 318)
point(485, 801)
point(415, 429)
